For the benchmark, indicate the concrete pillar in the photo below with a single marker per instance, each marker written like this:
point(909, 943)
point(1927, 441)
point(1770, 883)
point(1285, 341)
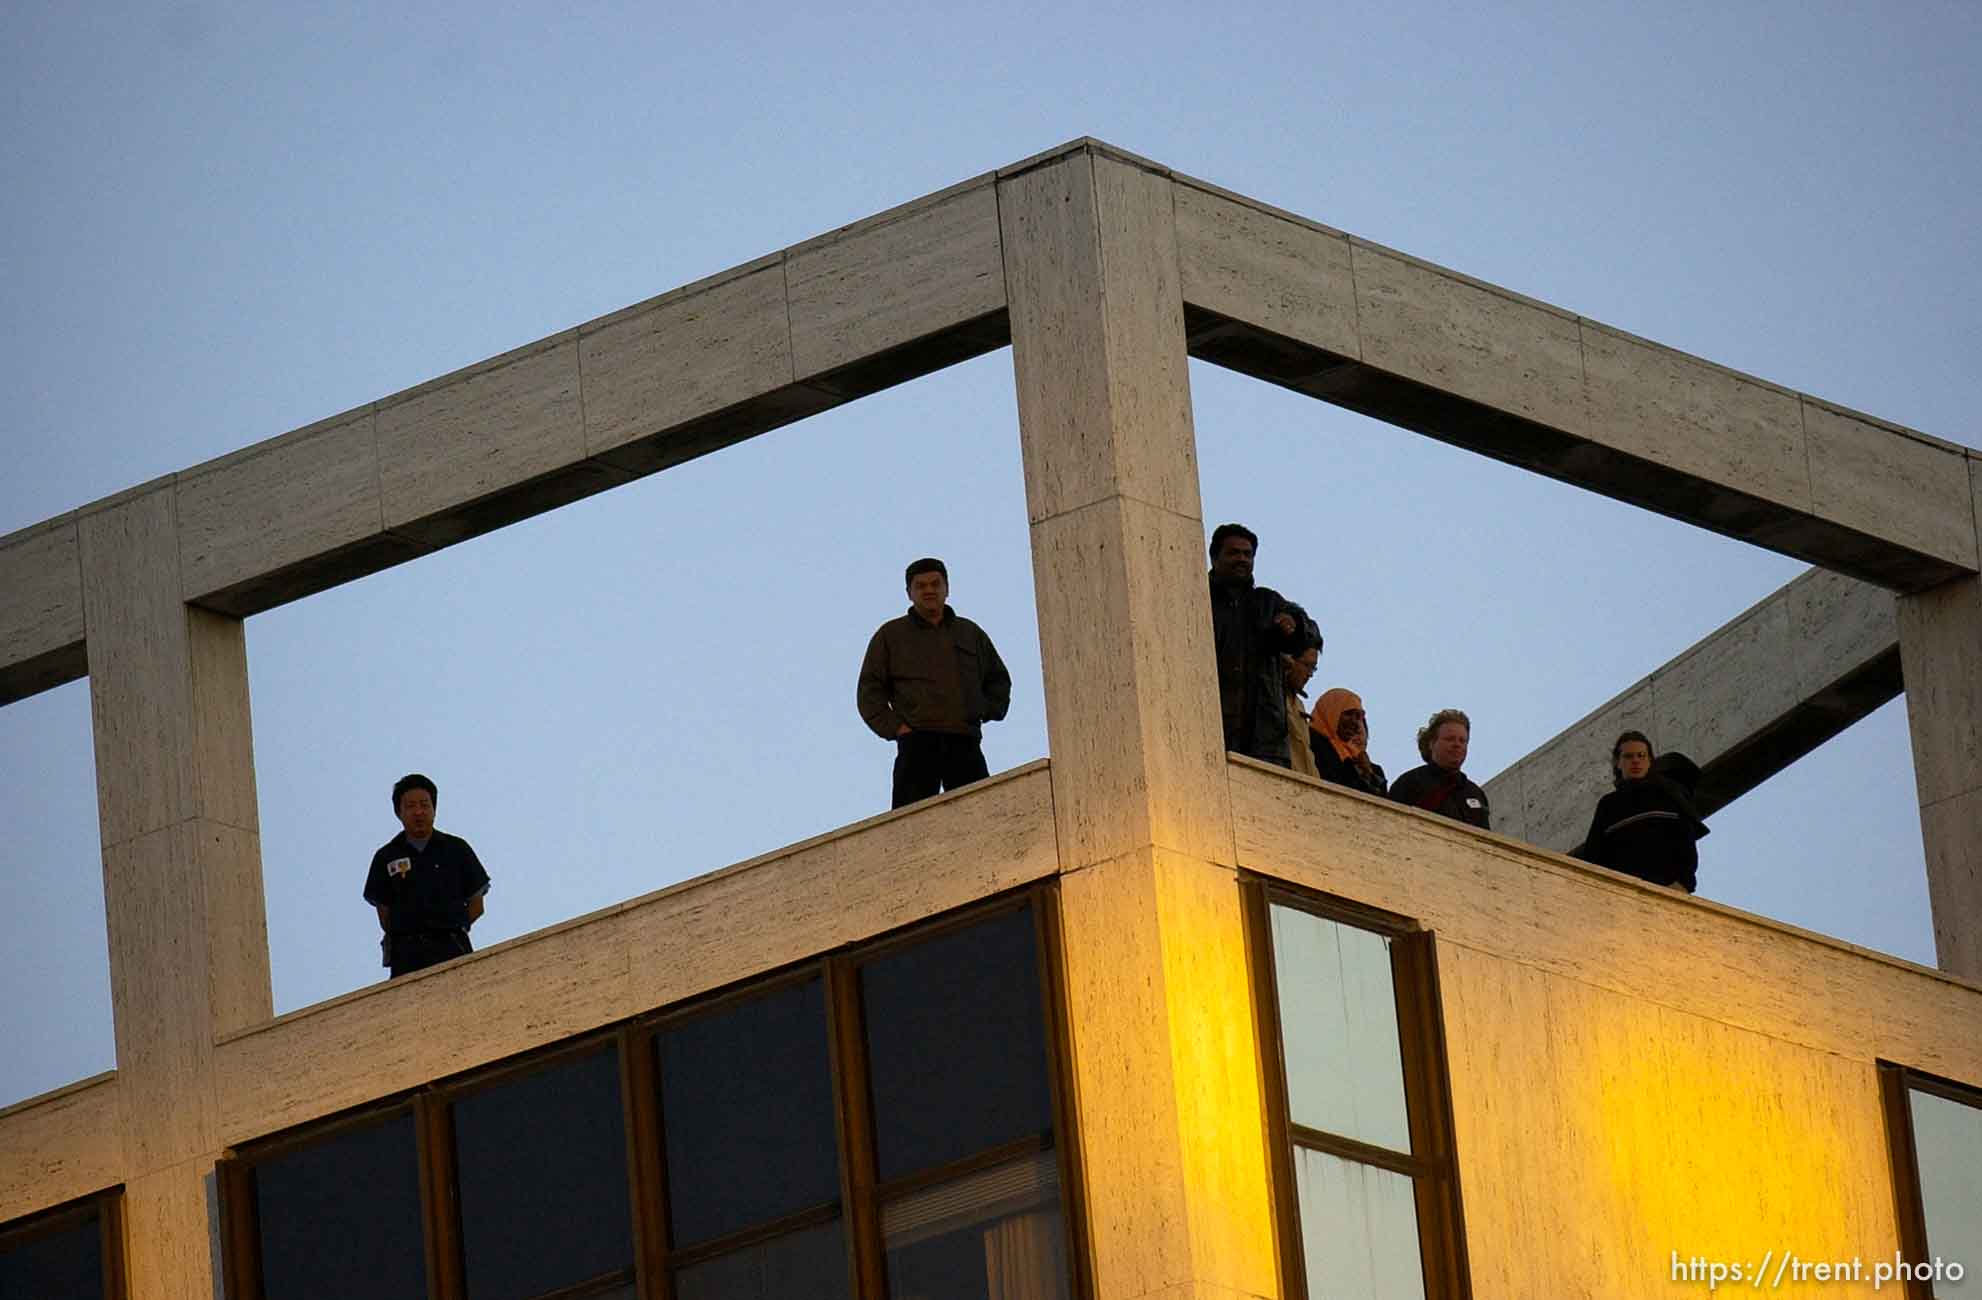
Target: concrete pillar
point(1940, 646)
point(182, 882)
point(1170, 1115)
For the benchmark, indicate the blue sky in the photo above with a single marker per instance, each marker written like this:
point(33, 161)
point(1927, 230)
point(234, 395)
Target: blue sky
point(220, 222)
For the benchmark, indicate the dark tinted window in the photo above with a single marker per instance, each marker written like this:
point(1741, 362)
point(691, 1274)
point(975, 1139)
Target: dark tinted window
point(747, 1105)
point(542, 1163)
point(989, 1235)
point(806, 1265)
point(957, 1049)
point(67, 1262)
point(341, 1217)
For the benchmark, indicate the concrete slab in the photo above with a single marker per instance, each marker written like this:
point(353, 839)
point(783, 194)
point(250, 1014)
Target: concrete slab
point(41, 610)
point(294, 503)
point(933, 267)
point(680, 359)
point(477, 434)
point(1882, 479)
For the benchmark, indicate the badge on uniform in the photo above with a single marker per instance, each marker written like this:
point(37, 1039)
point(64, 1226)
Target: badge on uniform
point(1470, 803)
point(398, 867)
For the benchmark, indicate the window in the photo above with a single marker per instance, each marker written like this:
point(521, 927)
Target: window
point(965, 1174)
point(540, 1164)
point(1934, 1129)
point(336, 1215)
point(74, 1251)
point(747, 1117)
point(884, 1122)
point(1353, 1061)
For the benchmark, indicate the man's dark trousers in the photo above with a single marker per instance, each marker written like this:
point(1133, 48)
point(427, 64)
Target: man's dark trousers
point(927, 762)
point(424, 948)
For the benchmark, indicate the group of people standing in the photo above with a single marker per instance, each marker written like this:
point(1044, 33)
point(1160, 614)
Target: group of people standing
point(1268, 651)
point(930, 679)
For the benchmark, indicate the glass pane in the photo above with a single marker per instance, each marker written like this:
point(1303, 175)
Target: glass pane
point(542, 1166)
point(1359, 1229)
point(66, 1263)
point(956, 1045)
point(991, 1235)
point(806, 1265)
point(1947, 1140)
point(341, 1217)
point(1338, 1029)
point(747, 1105)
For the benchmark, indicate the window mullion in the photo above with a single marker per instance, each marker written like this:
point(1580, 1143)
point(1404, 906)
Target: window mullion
point(234, 1181)
point(639, 1093)
point(1362, 1153)
point(1059, 1064)
point(440, 1196)
point(1284, 1199)
point(1429, 1100)
point(855, 1121)
point(110, 1224)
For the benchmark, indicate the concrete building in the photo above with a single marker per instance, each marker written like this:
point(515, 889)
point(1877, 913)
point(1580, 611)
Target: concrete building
point(1140, 1019)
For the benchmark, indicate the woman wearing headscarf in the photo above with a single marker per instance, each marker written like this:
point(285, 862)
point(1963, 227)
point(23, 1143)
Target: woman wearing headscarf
point(1647, 827)
point(1340, 739)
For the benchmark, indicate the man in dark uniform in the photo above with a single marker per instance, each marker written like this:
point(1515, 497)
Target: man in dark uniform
point(426, 884)
point(929, 682)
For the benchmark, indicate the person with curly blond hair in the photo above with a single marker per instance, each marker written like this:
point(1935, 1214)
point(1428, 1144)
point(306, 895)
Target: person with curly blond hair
point(1441, 786)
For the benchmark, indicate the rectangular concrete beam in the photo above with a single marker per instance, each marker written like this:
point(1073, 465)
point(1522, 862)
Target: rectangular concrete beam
point(1111, 487)
point(1169, 1107)
point(61, 1145)
point(877, 303)
point(1777, 681)
point(41, 609)
point(1469, 363)
point(176, 796)
point(1941, 645)
point(922, 286)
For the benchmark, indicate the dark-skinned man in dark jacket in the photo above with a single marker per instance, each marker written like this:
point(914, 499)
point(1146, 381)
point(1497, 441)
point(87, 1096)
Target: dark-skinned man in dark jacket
point(1251, 627)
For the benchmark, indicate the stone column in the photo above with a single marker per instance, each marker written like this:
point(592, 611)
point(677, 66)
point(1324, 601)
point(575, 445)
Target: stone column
point(182, 881)
point(1168, 1101)
point(1940, 646)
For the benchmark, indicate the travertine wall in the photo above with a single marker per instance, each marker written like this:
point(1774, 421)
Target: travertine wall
point(1634, 1071)
point(1162, 1034)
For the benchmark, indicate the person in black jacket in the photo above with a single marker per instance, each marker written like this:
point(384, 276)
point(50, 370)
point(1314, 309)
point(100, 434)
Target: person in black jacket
point(1251, 627)
point(1440, 786)
point(1340, 738)
point(1647, 827)
point(426, 884)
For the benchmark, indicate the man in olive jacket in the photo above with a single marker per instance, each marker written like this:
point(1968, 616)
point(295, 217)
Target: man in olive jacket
point(928, 683)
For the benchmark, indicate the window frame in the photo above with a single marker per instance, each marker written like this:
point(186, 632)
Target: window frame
point(1896, 1081)
point(655, 1260)
point(857, 1108)
point(1432, 1164)
point(107, 1205)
